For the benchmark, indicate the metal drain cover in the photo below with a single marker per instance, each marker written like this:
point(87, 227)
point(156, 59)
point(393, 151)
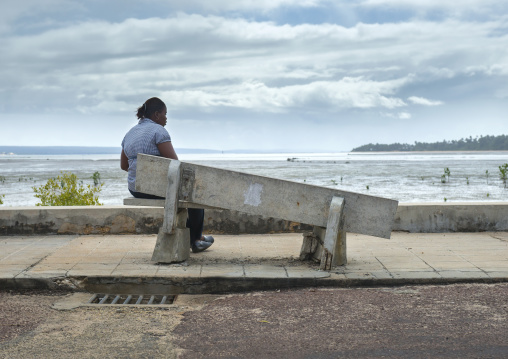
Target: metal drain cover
point(132, 299)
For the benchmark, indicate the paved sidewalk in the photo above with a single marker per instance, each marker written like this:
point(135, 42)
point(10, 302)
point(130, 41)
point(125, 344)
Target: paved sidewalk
point(121, 263)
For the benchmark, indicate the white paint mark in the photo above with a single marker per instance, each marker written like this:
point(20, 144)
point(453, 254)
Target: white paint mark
point(253, 194)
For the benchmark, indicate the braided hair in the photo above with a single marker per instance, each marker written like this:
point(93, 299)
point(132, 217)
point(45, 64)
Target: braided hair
point(150, 106)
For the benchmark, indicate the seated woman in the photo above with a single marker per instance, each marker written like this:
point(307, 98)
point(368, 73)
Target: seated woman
point(150, 137)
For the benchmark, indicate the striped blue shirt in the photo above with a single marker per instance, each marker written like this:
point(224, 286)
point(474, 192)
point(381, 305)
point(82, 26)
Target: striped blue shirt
point(142, 138)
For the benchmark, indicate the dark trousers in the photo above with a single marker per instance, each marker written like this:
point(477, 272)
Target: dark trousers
point(195, 218)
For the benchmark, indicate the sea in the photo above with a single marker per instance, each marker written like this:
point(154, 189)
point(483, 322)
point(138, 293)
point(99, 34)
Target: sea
point(403, 176)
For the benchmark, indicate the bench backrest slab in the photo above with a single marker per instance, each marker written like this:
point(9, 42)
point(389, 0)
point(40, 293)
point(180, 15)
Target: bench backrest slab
point(267, 196)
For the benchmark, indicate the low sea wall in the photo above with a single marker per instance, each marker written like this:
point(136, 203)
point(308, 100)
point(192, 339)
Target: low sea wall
point(410, 217)
point(451, 217)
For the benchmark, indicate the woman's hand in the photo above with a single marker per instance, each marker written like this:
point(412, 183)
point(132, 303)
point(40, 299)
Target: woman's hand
point(124, 161)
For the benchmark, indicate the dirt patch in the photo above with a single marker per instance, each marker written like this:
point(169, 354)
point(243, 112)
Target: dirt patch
point(417, 322)
point(31, 329)
point(21, 312)
point(466, 321)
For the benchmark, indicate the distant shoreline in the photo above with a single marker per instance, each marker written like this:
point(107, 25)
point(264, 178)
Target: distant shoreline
point(57, 150)
point(77, 150)
point(6, 151)
point(91, 150)
point(483, 143)
point(429, 151)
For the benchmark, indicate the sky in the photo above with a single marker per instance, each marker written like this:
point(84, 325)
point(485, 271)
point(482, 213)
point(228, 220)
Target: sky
point(261, 75)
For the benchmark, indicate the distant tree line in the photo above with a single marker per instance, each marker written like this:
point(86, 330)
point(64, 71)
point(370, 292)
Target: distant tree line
point(482, 143)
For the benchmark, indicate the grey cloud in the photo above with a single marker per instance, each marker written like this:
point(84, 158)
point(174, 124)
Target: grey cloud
point(452, 7)
point(211, 62)
point(346, 93)
point(423, 101)
point(219, 6)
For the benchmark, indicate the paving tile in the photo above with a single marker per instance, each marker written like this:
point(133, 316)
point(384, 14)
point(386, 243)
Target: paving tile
point(5, 267)
point(366, 268)
point(495, 264)
point(104, 259)
point(222, 270)
point(138, 266)
point(409, 269)
point(486, 259)
point(299, 272)
point(359, 275)
point(415, 275)
point(138, 254)
point(483, 251)
point(134, 272)
point(70, 253)
point(60, 260)
point(42, 275)
point(381, 274)
point(9, 273)
point(20, 260)
point(89, 273)
point(91, 269)
point(373, 262)
point(393, 258)
point(463, 274)
point(264, 271)
point(41, 267)
point(335, 276)
point(498, 274)
point(34, 252)
point(112, 252)
point(409, 266)
point(441, 258)
point(141, 260)
point(366, 265)
point(451, 265)
point(179, 271)
point(494, 269)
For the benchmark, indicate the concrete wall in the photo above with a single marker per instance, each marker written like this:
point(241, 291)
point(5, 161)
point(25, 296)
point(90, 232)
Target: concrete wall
point(79, 220)
point(451, 217)
point(410, 217)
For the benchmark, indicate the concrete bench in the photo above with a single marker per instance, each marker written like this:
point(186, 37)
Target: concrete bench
point(332, 212)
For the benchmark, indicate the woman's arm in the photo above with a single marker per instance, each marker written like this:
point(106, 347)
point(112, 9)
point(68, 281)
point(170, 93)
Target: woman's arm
point(166, 149)
point(124, 161)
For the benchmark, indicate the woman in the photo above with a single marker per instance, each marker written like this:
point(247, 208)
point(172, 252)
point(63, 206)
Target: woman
point(150, 137)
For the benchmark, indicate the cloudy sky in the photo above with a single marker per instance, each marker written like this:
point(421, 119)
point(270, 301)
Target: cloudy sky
point(290, 75)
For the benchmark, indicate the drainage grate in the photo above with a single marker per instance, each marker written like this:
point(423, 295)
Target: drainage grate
point(132, 299)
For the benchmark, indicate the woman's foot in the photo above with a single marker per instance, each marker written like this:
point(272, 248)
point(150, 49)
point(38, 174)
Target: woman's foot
point(200, 246)
point(207, 239)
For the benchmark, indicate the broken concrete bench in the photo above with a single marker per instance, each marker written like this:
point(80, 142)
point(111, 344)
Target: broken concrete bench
point(332, 212)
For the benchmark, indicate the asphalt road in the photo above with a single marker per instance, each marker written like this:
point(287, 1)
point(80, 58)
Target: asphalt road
point(453, 321)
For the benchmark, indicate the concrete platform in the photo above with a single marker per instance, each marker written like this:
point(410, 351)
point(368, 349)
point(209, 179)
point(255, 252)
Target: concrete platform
point(121, 263)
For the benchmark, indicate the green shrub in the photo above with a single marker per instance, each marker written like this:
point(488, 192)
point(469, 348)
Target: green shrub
point(503, 173)
point(96, 178)
point(64, 190)
point(1, 200)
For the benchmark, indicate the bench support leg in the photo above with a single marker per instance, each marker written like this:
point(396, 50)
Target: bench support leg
point(334, 241)
point(327, 245)
point(171, 203)
point(174, 247)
